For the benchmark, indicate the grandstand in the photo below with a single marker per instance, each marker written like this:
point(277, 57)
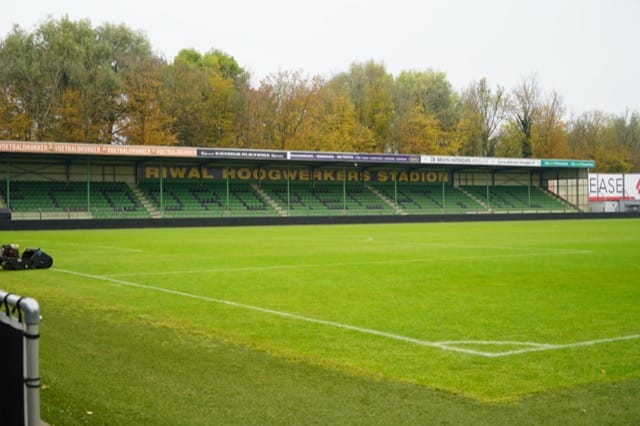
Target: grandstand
point(517, 198)
point(205, 199)
point(82, 181)
point(33, 199)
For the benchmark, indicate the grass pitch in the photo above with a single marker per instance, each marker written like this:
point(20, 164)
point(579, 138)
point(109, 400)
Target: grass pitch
point(404, 323)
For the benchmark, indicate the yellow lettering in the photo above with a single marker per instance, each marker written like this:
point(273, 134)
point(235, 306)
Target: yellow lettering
point(244, 174)
point(443, 176)
point(194, 173)
point(229, 173)
point(259, 174)
point(206, 173)
point(329, 175)
point(152, 172)
point(403, 177)
point(177, 172)
point(304, 174)
point(275, 174)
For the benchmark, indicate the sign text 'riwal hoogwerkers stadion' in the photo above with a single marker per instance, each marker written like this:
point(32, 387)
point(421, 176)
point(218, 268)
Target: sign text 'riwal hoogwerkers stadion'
point(294, 174)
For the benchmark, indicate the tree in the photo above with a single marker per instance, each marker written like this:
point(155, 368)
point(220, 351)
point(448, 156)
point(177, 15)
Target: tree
point(14, 123)
point(67, 67)
point(256, 118)
point(33, 76)
point(201, 99)
point(586, 134)
point(335, 127)
point(426, 114)
point(418, 133)
point(430, 90)
point(145, 121)
point(524, 109)
point(69, 125)
point(294, 102)
point(509, 141)
point(483, 111)
point(549, 139)
point(370, 88)
point(117, 56)
point(625, 135)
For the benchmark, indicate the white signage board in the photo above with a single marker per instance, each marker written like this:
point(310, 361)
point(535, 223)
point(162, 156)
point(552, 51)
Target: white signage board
point(614, 187)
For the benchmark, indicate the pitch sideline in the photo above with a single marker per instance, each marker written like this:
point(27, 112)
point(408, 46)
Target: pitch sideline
point(452, 346)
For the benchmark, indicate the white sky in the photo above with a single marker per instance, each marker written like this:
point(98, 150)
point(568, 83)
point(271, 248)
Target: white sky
point(586, 50)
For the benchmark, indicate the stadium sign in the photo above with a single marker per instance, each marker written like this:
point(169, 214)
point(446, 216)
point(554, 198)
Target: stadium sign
point(614, 187)
point(295, 174)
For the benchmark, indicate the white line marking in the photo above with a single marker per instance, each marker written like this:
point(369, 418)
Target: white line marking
point(444, 345)
point(546, 347)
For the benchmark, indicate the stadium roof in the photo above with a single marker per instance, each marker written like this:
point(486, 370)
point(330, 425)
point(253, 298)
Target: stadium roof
point(19, 149)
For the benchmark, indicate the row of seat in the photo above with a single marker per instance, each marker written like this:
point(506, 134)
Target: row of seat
point(210, 199)
point(516, 198)
point(213, 199)
point(324, 198)
point(431, 198)
point(100, 199)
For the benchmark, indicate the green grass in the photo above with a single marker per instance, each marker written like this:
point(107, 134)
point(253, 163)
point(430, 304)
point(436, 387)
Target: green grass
point(312, 324)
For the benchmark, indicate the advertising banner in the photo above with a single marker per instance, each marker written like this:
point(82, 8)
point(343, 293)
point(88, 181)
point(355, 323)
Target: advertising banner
point(614, 187)
point(96, 149)
point(479, 161)
point(354, 158)
point(240, 154)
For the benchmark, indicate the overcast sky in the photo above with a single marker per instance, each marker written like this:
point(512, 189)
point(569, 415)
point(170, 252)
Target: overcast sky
point(586, 50)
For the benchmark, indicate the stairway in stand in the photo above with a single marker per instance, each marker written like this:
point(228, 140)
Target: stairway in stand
point(149, 207)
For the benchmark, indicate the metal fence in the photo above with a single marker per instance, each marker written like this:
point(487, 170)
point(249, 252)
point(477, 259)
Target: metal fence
point(19, 360)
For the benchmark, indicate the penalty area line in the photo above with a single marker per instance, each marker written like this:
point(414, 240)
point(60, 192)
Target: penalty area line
point(443, 345)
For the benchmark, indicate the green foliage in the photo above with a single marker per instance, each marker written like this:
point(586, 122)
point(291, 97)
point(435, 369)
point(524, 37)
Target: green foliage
point(371, 90)
point(69, 81)
point(63, 60)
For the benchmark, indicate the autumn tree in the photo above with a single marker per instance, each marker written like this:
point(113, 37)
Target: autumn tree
point(145, 121)
point(335, 126)
point(625, 137)
point(524, 108)
point(426, 115)
point(549, 135)
point(65, 76)
point(483, 111)
point(294, 102)
point(14, 123)
point(256, 118)
point(370, 88)
point(200, 95)
point(34, 76)
point(585, 134)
